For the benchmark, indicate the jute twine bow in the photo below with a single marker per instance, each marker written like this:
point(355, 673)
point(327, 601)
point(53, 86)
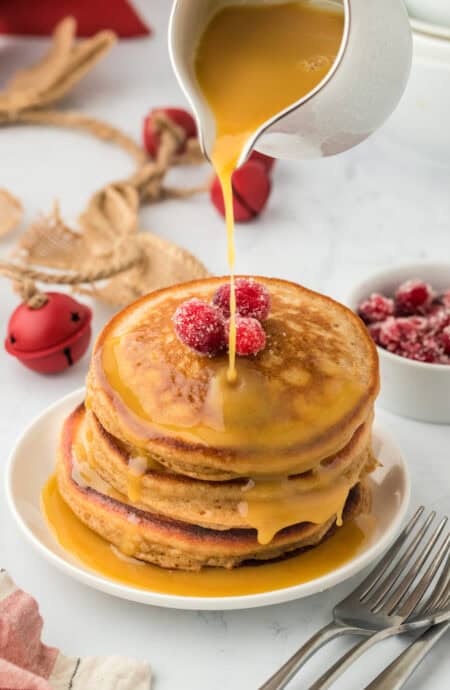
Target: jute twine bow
point(107, 245)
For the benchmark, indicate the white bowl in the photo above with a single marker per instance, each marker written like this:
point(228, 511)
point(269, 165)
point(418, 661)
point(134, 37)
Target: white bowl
point(431, 11)
point(416, 123)
point(410, 388)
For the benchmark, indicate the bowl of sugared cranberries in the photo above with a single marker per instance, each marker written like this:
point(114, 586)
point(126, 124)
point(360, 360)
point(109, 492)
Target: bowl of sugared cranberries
point(407, 313)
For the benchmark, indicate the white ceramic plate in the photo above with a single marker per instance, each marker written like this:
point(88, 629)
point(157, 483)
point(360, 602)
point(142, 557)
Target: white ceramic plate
point(33, 459)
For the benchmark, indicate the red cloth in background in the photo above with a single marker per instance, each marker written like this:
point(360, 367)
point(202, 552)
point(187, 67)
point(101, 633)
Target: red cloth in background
point(39, 17)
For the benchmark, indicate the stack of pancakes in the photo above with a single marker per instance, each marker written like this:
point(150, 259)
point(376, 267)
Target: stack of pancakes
point(174, 466)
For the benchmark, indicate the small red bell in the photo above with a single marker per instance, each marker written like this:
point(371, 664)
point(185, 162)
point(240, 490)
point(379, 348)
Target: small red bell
point(52, 337)
point(181, 118)
point(251, 190)
point(266, 161)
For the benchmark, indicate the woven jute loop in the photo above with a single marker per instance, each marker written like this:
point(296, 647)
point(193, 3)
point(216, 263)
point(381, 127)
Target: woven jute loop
point(107, 246)
point(30, 294)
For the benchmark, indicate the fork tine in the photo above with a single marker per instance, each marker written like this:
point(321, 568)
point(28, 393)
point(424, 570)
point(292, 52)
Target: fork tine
point(389, 627)
point(407, 580)
point(438, 592)
point(415, 597)
point(445, 599)
point(447, 603)
point(399, 567)
point(375, 575)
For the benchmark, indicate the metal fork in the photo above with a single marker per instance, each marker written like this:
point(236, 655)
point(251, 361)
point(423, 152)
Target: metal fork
point(397, 673)
point(377, 604)
point(405, 605)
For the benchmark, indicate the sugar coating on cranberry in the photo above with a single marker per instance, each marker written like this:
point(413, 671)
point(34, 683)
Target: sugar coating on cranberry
point(375, 331)
point(252, 299)
point(376, 308)
point(414, 338)
point(444, 337)
point(250, 335)
point(413, 297)
point(394, 333)
point(200, 326)
point(439, 319)
point(429, 351)
point(445, 299)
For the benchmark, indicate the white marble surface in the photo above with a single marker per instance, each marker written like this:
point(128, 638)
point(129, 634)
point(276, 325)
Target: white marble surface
point(327, 225)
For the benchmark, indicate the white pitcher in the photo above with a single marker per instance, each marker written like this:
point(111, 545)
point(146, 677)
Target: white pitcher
point(357, 95)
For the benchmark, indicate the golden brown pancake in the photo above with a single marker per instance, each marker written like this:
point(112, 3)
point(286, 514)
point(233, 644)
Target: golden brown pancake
point(297, 402)
point(217, 505)
point(174, 466)
point(172, 543)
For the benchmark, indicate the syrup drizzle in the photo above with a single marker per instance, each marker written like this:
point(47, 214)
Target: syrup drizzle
point(268, 505)
point(253, 62)
point(225, 174)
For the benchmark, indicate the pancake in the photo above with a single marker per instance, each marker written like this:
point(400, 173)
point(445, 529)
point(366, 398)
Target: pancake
point(297, 402)
point(216, 505)
point(172, 543)
point(174, 466)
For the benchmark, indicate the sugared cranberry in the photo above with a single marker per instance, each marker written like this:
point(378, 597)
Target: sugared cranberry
point(375, 331)
point(434, 307)
point(439, 319)
point(376, 308)
point(266, 161)
point(200, 326)
point(420, 326)
point(413, 297)
point(151, 135)
point(396, 332)
point(251, 189)
point(250, 335)
point(444, 338)
point(445, 299)
point(252, 298)
point(427, 350)
point(389, 334)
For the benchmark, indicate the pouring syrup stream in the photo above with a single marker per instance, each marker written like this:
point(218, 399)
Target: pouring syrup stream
point(252, 62)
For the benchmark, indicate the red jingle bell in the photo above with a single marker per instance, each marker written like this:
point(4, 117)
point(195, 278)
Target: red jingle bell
point(179, 117)
point(52, 337)
point(251, 189)
point(266, 161)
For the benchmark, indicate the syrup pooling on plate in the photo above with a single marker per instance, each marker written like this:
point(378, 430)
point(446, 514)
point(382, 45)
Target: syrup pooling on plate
point(96, 554)
point(252, 62)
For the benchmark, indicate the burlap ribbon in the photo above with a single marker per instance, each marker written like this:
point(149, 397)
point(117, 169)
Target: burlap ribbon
point(107, 246)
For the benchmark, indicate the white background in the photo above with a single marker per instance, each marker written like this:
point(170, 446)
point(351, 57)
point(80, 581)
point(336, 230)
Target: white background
point(328, 224)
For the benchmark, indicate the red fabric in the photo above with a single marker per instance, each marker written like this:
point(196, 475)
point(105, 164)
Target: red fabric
point(39, 17)
point(20, 640)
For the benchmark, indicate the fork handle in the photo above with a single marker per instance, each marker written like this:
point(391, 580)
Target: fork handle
point(398, 672)
point(346, 660)
point(282, 677)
